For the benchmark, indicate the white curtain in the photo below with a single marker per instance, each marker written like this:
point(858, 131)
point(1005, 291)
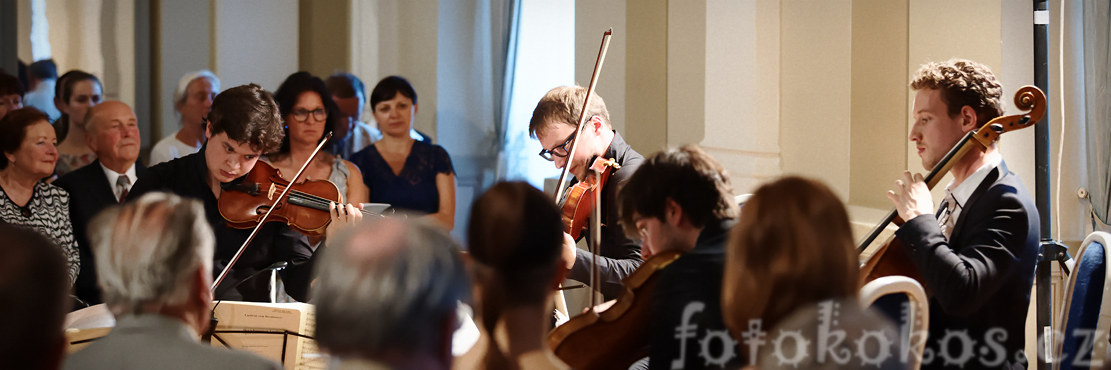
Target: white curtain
point(1097, 95)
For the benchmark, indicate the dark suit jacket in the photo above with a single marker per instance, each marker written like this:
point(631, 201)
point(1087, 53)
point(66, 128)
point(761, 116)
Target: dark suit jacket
point(619, 256)
point(979, 279)
point(89, 193)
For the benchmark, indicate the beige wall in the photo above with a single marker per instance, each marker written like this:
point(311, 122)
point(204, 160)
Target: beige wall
point(324, 36)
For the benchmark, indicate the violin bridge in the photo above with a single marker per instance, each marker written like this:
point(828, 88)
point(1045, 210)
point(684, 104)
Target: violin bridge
point(270, 194)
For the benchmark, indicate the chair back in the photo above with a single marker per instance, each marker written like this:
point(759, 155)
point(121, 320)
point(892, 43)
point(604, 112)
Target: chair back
point(1086, 315)
point(913, 314)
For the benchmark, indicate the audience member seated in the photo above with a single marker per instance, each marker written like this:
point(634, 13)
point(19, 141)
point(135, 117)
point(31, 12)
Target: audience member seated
point(75, 93)
point(404, 172)
point(112, 131)
point(192, 102)
point(309, 113)
point(386, 295)
point(153, 261)
point(791, 273)
point(43, 75)
point(34, 286)
point(349, 93)
point(28, 144)
point(515, 238)
point(11, 94)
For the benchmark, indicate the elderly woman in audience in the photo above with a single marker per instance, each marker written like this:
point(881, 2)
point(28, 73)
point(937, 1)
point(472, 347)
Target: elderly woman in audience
point(75, 92)
point(309, 113)
point(515, 238)
point(192, 102)
point(791, 267)
point(29, 153)
point(404, 172)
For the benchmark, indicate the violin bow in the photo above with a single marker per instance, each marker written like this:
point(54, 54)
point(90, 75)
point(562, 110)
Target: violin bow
point(561, 301)
point(270, 209)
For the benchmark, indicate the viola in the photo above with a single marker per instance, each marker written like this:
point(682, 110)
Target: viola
point(244, 203)
point(617, 337)
point(891, 257)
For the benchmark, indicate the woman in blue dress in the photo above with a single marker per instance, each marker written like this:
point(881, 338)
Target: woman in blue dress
point(410, 175)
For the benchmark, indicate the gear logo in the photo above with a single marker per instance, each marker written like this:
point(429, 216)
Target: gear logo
point(801, 346)
point(883, 345)
point(966, 352)
point(727, 345)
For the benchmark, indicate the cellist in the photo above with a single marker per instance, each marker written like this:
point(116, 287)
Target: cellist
point(681, 200)
point(977, 252)
point(553, 124)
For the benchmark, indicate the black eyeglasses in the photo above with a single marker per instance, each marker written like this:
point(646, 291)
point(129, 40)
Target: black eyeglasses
point(559, 151)
point(302, 115)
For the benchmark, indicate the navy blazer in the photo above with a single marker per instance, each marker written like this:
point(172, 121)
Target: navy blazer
point(979, 279)
point(89, 193)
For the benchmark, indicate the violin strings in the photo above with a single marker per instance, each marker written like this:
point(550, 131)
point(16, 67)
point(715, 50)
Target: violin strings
point(315, 200)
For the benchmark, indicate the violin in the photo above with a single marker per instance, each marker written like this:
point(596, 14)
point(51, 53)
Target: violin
point(244, 203)
point(891, 257)
point(280, 201)
point(578, 202)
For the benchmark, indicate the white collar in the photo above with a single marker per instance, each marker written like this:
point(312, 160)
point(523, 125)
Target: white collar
point(113, 175)
point(962, 192)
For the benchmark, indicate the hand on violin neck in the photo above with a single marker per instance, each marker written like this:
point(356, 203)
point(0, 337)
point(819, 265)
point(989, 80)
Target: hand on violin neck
point(911, 196)
point(343, 216)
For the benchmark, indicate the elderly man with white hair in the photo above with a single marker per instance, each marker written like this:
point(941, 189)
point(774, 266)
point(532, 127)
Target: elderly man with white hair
point(192, 101)
point(386, 296)
point(154, 263)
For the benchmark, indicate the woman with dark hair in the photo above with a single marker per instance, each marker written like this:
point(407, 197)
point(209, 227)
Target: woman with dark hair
point(791, 261)
point(399, 170)
point(309, 113)
point(29, 153)
point(515, 239)
point(11, 93)
point(75, 92)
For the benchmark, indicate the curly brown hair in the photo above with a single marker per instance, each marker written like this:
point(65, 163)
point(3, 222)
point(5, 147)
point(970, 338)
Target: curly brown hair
point(563, 105)
point(248, 114)
point(963, 82)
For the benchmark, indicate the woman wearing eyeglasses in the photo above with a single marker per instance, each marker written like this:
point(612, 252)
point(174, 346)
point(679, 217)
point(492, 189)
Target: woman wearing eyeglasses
point(406, 173)
point(309, 113)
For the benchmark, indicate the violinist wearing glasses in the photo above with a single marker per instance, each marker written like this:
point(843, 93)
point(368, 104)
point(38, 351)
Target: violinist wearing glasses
point(553, 123)
point(244, 123)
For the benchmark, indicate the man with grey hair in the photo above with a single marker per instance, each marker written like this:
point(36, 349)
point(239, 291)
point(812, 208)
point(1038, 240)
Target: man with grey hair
point(112, 132)
point(192, 101)
point(154, 257)
point(386, 296)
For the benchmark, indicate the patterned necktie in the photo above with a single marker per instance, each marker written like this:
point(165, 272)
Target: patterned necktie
point(945, 219)
point(122, 184)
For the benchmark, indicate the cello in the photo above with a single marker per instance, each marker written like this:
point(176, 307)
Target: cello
point(891, 257)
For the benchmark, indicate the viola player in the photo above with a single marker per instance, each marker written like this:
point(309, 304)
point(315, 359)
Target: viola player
point(244, 123)
point(553, 123)
point(977, 252)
